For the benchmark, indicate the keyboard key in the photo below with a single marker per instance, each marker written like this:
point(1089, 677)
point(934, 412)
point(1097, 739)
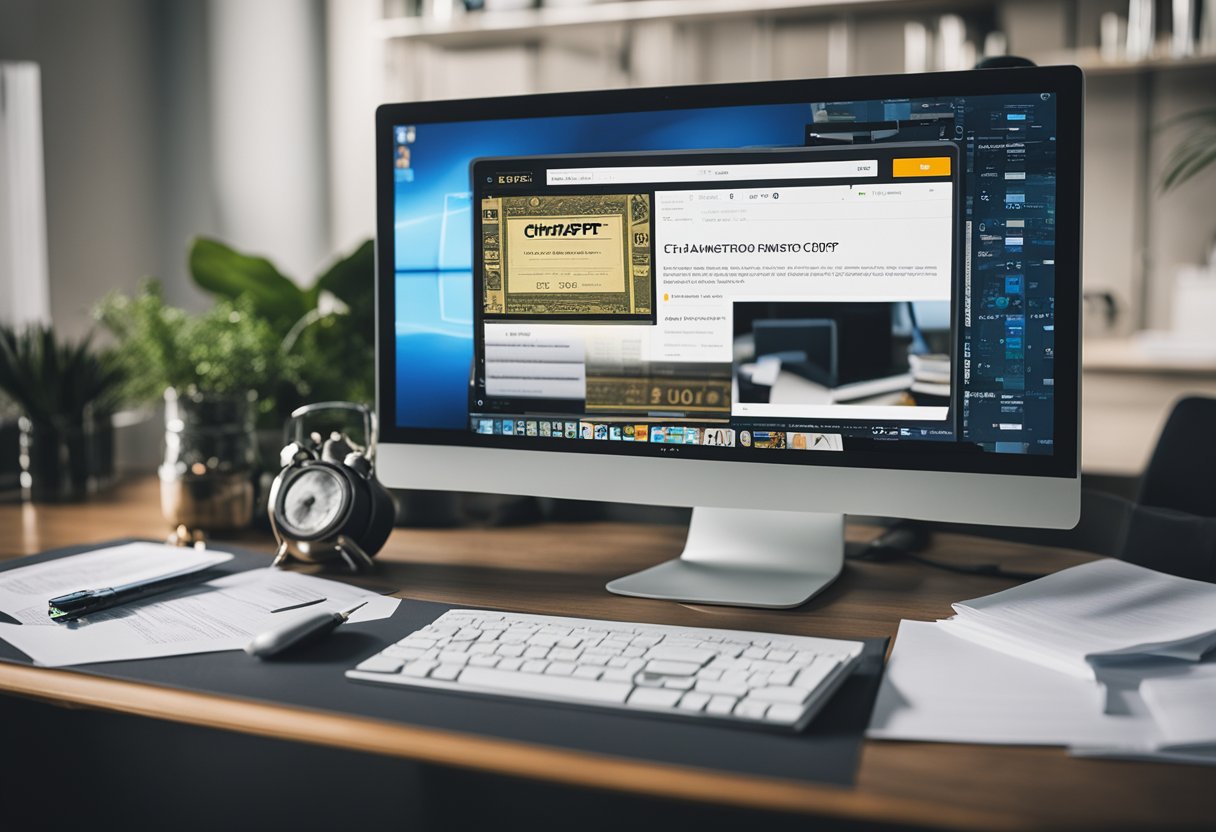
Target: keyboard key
point(592, 691)
point(787, 696)
point(693, 701)
point(534, 666)
point(380, 664)
point(811, 676)
point(419, 669)
point(733, 689)
point(560, 668)
point(484, 661)
point(587, 672)
point(667, 652)
point(782, 678)
point(618, 674)
point(749, 709)
point(720, 705)
point(672, 668)
point(784, 714)
point(654, 698)
point(446, 671)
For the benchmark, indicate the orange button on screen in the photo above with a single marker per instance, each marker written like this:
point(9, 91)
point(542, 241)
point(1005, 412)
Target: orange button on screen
point(931, 166)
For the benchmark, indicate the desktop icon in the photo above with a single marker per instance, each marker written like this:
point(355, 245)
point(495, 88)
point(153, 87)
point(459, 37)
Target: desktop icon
point(572, 430)
point(586, 430)
point(658, 434)
point(508, 427)
point(485, 426)
point(601, 431)
point(723, 437)
point(745, 438)
point(768, 439)
point(641, 433)
point(692, 436)
point(530, 428)
point(627, 433)
point(614, 432)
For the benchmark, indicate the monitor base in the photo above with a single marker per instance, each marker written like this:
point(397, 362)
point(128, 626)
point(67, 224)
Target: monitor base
point(746, 558)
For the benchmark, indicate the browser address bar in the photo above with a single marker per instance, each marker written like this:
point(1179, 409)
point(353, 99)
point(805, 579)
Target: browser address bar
point(834, 169)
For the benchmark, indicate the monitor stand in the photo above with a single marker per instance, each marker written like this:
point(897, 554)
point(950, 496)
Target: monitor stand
point(746, 558)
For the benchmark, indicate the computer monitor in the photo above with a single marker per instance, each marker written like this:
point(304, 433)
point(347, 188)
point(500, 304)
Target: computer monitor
point(572, 289)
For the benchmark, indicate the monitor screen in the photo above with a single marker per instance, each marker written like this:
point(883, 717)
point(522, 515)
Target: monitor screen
point(854, 281)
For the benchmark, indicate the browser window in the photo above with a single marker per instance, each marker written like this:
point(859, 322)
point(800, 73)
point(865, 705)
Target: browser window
point(711, 289)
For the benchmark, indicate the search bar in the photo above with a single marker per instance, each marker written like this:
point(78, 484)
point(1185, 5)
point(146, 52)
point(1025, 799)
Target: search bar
point(835, 169)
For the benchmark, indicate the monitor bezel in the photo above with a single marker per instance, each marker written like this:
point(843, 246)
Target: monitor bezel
point(1065, 82)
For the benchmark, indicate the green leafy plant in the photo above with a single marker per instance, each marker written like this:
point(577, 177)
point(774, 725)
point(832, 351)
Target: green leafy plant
point(228, 350)
point(1195, 152)
point(56, 381)
point(327, 328)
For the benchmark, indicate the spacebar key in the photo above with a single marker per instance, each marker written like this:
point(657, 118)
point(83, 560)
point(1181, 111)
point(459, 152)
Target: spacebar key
point(539, 684)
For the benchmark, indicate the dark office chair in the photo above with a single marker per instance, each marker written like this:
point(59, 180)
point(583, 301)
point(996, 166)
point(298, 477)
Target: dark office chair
point(1172, 525)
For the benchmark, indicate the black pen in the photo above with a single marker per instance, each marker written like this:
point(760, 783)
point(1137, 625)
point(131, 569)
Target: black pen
point(82, 602)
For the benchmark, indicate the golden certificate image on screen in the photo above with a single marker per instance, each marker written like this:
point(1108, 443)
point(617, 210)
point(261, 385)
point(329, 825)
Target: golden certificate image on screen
point(566, 256)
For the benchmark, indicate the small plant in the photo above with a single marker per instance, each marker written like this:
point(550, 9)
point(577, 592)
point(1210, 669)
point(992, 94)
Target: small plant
point(57, 382)
point(1195, 152)
point(228, 350)
point(327, 329)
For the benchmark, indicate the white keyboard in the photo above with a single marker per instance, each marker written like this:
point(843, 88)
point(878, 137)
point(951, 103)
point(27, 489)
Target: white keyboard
point(754, 679)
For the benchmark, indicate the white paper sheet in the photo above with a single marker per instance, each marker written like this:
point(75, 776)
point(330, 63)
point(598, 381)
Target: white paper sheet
point(941, 688)
point(223, 614)
point(1077, 617)
point(24, 591)
point(1184, 706)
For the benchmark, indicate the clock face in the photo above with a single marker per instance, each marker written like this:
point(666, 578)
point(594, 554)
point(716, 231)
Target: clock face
point(314, 499)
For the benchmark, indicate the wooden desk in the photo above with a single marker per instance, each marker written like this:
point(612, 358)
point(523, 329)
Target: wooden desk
point(561, 569)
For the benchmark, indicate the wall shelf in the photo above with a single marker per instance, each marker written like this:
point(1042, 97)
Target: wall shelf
point(488, 28)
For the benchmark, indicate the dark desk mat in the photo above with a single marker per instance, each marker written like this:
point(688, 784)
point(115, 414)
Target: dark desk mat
point(827, 752)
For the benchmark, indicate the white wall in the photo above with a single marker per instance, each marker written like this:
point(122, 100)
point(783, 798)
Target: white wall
point(99, 141)
point(267, 97)
point(356, 85)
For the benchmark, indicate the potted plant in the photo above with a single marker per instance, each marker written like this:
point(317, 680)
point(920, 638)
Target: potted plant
point(216, 372)
point(66, 393)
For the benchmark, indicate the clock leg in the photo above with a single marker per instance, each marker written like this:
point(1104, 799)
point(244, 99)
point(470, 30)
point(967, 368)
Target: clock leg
point(281, 555)
point(353, 554)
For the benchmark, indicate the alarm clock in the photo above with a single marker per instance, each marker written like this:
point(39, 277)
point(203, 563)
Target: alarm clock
point(326, 503)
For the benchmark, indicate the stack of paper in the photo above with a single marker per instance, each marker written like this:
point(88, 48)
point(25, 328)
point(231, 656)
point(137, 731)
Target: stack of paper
point(1096, 613)
point(221, 614)
point(1105, 658)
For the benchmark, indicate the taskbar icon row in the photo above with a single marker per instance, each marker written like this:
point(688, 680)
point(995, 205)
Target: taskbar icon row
point(659, 434)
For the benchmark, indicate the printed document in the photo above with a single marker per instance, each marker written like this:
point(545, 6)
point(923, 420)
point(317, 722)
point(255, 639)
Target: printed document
point(24, 591)
point(222, 614)
point(1092, 614)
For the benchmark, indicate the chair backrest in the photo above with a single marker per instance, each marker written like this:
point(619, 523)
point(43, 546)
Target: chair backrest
point(1182, 473)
